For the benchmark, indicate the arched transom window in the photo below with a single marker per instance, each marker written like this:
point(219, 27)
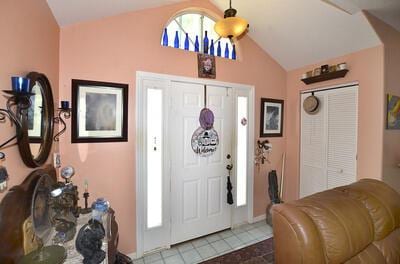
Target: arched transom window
point(195, 32)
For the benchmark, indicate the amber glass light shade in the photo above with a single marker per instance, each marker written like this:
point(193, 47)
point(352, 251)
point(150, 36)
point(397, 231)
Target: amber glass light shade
point(231, 27)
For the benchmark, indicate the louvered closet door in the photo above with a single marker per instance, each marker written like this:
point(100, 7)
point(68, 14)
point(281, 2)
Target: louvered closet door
point(328, 150)
point(342, 136)
point(313, 176)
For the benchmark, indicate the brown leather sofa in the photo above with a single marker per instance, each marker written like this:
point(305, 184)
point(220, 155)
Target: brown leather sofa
point(357, 223)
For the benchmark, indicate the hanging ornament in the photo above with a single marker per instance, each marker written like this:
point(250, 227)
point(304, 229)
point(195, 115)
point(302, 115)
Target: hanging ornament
point(205, 139)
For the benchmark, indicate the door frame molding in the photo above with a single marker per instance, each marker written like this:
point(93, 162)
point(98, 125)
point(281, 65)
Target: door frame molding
point(140, 144)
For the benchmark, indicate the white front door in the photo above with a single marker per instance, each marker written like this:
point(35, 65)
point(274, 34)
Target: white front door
point(198, 184)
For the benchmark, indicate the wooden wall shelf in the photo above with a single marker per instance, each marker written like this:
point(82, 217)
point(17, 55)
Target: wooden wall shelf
point(325, 76)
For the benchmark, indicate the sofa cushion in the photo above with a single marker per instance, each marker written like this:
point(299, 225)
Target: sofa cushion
point(343, 223)
point(381, 201)
point(390, 247)
point(370, 255)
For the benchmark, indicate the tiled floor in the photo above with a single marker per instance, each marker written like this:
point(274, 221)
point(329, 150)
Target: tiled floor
point(211, 246)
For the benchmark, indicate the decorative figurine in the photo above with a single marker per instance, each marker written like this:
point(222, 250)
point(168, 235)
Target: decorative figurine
point(89, 242)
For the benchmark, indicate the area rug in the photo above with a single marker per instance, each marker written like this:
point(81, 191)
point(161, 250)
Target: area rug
point(262, 252)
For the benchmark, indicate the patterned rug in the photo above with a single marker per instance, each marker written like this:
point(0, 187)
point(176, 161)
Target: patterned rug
point(262, 252)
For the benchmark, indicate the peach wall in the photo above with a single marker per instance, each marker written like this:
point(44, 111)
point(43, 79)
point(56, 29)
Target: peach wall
point(390, 38)
point(113, 49)
point(29, 42)
point(366, 67)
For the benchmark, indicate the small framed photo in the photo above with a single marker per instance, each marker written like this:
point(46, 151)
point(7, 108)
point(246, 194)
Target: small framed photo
point(206, 66)
point(271, 121)
point(99, 111)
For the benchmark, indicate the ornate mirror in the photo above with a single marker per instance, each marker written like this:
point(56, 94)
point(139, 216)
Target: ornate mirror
point(36, 133)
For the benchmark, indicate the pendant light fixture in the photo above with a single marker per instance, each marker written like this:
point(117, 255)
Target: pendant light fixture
point(231, 26)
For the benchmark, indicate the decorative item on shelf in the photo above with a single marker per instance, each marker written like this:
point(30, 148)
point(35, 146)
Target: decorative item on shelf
point(219, 50)
point(89, 242)
point(342, 66)
point(176, 40)
point(271, 119)
point(212, 48)
point(196, 44)
point(324, 69)
point(18, 103)
point(99, 208)
point(231, 26)
point(3, 173)
point(317, 71)
point(186, 41)
point(233, 52)
point(206, 66)
point(165, 38)
point(87, 209)
point(226, 51)
point(205, 43)
point(64, 202)
point(332, 68)
point(63, 112)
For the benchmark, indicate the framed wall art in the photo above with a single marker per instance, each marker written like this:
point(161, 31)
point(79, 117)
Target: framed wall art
point(393, 112)
point(99, 111)
point(206, 66)
point(271, 121)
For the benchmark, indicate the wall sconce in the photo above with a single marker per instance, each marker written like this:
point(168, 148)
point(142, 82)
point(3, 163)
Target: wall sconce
point(18, 100)
point(63, 112)
point(262, 151)
point(3, 174)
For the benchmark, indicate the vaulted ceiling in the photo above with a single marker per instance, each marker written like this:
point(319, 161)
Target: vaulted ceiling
point(295, 33)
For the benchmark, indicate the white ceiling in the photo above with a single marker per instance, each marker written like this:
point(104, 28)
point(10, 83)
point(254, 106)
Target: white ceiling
point(295, 33)
point(69, 12)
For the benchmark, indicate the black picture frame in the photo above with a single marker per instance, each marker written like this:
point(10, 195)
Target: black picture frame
point(88, 97)
point(271, 124)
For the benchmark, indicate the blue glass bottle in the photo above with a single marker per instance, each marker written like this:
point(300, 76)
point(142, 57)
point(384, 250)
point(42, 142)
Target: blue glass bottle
point(187, 42)
point(165, 38)
point(226, 51)
point(212, 48)
point(176, 40)
point(234, 52)
point(219, 50)
point(196, 44)
point(205, 43)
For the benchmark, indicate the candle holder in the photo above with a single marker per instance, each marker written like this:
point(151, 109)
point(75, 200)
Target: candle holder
point(18, 102)
point(63, 112)
point(87, 209)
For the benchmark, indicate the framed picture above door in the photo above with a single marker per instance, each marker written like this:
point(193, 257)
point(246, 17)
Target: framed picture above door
point(99, 111)
point(271, 118)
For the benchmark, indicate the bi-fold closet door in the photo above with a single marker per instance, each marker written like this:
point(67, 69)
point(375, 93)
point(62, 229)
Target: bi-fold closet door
point(328, 151)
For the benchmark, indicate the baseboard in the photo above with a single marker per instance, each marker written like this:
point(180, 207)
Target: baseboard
point(132, 255)
point(259, 218)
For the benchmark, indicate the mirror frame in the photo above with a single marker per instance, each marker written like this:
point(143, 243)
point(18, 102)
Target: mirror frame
point(48, 125)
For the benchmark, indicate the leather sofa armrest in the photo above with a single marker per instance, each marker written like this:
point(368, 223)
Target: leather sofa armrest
point(296, 238)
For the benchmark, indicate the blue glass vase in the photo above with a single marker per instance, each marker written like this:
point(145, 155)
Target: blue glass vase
point(219, 50)
point(234, 52)
point(176, 40)
point(212, 47)
point(226, 51)
point(187, 41)
point(165, 38)
point(205, 43)
point(196, 44)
